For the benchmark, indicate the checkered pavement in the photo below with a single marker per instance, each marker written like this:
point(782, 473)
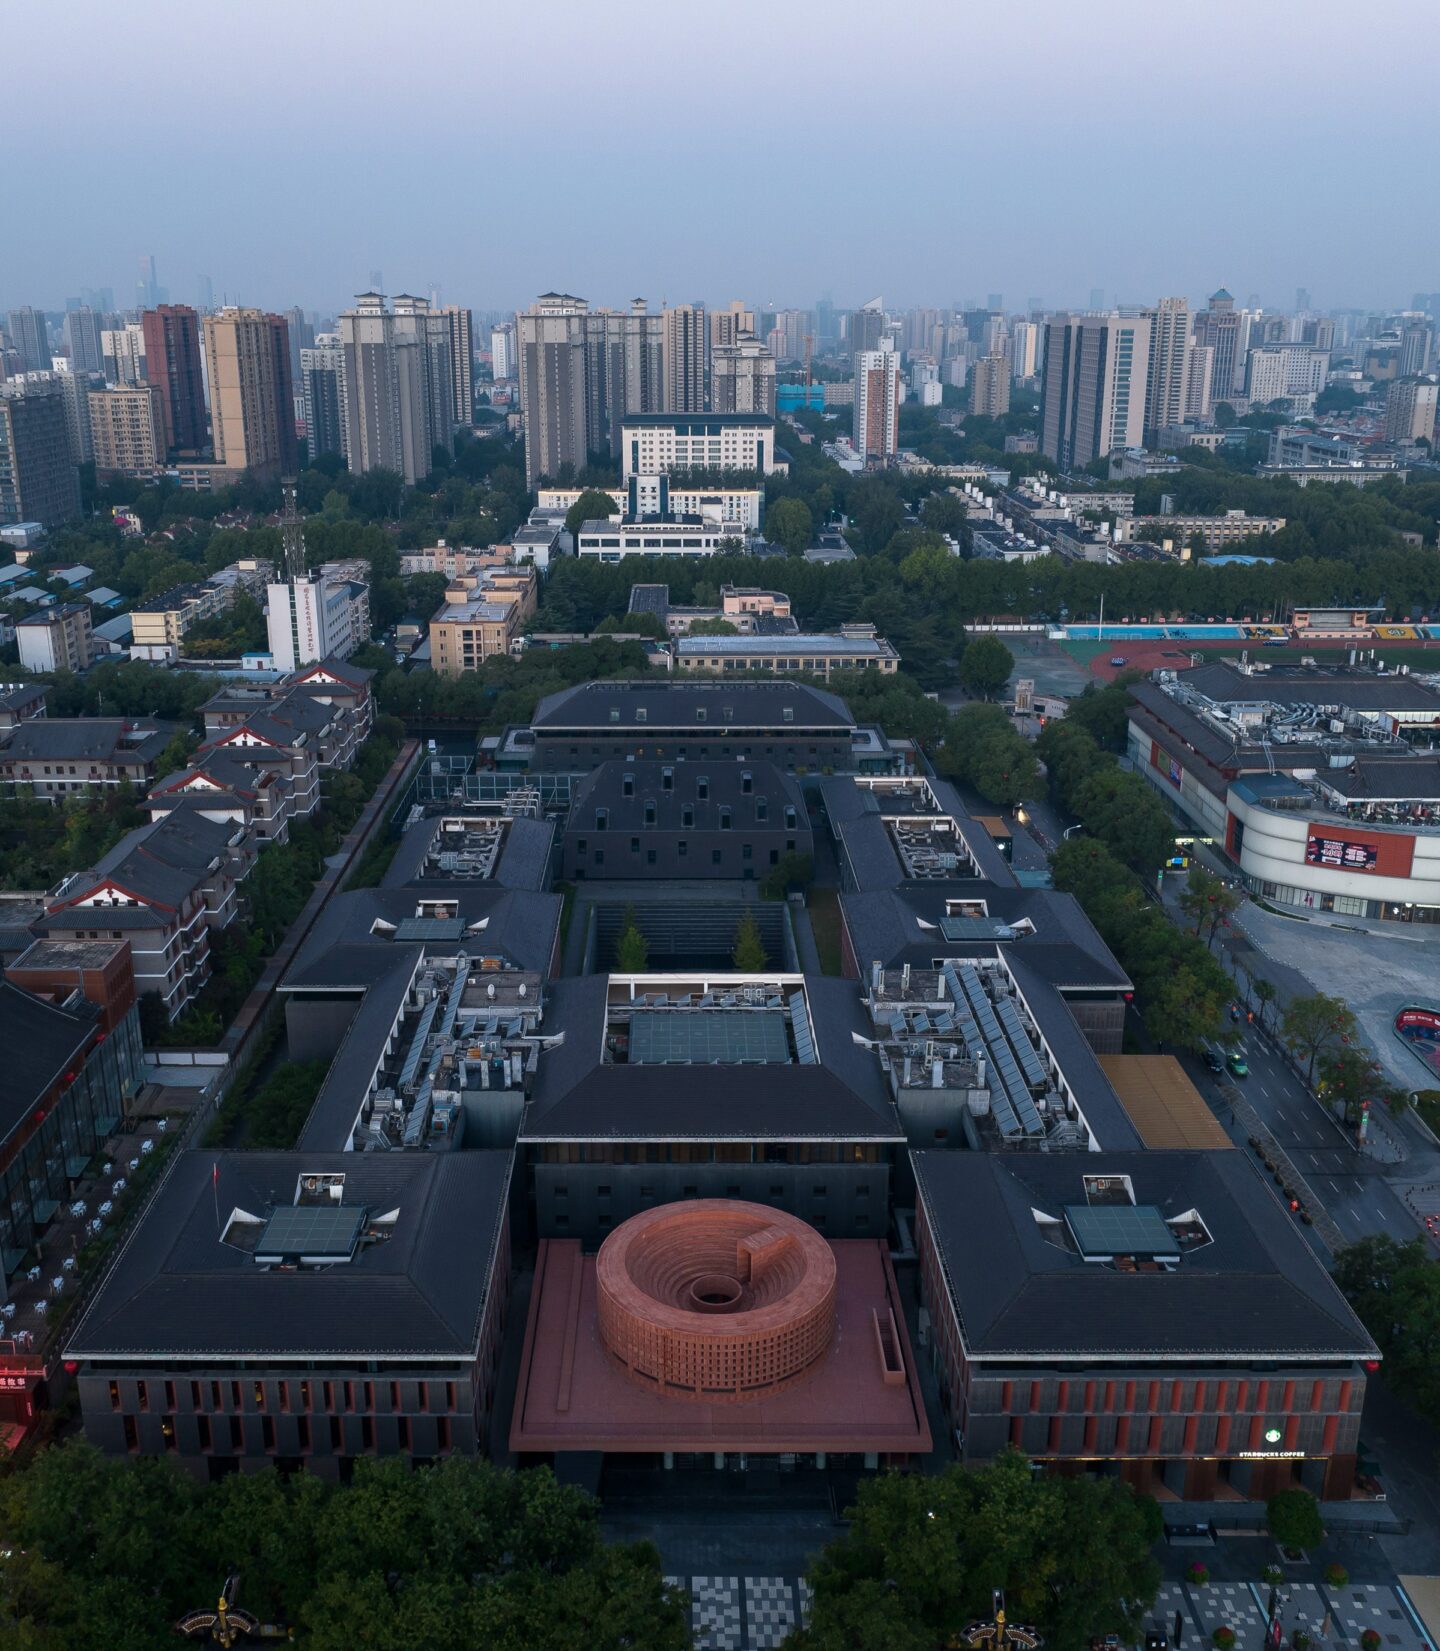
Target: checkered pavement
point(751, 1613)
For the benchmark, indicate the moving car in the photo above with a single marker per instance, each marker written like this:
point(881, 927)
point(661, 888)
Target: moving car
point(1237, 1066)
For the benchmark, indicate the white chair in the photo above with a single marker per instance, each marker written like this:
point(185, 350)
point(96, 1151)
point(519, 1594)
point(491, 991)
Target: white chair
point(33, 1274)
point(57, 1284)
point(106, 1207)
point(68, 1264)
point(163, 1124)
point(119, 1185)
point(147, 1146)
point(41, 1308)
point(134, 1165)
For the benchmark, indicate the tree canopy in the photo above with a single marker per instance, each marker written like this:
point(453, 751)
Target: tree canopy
point(923, 1553)
point(1395, 1288)
point(105, 1555)
point(986, 664)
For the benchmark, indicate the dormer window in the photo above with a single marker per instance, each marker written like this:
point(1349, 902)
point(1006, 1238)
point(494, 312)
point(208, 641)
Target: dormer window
point(627, 785)
point(729, 713)
point(667, 779)
point(602, 819)
point(614, 713)
point(641, 714)
point(788, 714)
point(762, 809)
point(702, 787)
point(701, 713)
point(649, 811)
point(724, 819)
point(687, 816)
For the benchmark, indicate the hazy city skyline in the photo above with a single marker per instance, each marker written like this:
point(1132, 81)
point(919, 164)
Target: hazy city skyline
point(1039, 152)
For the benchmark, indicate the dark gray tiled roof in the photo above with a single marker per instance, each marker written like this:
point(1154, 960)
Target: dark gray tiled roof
point(1362, 691)
point(86, 739)
point(1256, 1290)
point(520, 924)
point(578, 1097)
point(674, 705)
point(40, 1042)
point(1387, 778)
point(175, 1289)
point(524, 861)
point(724, 777)
point(901, 925)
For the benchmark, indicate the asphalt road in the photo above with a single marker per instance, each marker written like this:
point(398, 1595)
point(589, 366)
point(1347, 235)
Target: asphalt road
point(1352, 1187)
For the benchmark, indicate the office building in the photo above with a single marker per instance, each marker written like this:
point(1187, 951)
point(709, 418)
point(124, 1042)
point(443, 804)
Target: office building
point(1285, 372)
point(122, 351)
point(1410, 410)
point(71, 1033)
point(252, 404)
point(791, 723)
point(866, 328)
point(82, 340)
point(127, 431)
point(684, 348)
point(313, 616)
point(1092, 393)
point(551, 345)
point(652, 444)
point(502, 351)
point(460, 327)
point(608, 540)
point(1238, 1368)
point(990, 387)
point(172, 363)
point(29, 336)
point(1220, 326)
point(1168, 377)
point(742, 377)
point(39, 481)
point(322, 390)
point(876, 418)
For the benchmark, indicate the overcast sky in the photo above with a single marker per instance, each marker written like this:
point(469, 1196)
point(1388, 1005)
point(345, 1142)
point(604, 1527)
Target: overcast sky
point(929, 151)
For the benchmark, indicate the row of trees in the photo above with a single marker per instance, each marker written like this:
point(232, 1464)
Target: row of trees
point(1395, 1288)
point(103, 1555)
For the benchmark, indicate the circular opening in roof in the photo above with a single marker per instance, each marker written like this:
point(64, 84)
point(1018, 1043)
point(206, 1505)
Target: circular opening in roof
point(714, 1293)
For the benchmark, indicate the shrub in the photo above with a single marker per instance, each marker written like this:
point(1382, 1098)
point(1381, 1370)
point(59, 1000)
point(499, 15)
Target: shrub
point(1336, 1576)
point(1198, 1574)
point(1370, 1640)
point(1223, 1639)
point(1272, 1574)
point(1300, 1639)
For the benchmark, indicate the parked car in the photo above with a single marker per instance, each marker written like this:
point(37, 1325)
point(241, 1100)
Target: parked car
point(1212, 1060)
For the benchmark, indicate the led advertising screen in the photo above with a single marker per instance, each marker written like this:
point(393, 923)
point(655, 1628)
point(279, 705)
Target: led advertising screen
point(1341, 853)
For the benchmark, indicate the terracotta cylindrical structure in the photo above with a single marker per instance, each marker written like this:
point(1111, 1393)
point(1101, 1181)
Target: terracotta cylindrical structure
point(715, 1300)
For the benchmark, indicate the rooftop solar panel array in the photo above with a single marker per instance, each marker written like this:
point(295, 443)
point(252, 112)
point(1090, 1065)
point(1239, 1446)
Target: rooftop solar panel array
point(708, 1037)
point(1010, 1099)
point(1120, 1229)
point(417, 1042)
point(1030, 1063)
point(800, 1025)
point(430, 928)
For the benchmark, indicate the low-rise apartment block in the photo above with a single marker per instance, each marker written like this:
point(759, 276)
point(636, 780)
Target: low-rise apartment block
point(652, 444)
point(608, 541)
point(1218, 532)
point(163, 888)
point(481, 616)
point(59, 757)
point(57, 638)
point(857, 648)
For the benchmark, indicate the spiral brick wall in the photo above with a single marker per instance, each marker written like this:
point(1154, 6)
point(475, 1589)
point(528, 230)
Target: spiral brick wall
point(715, 1299)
